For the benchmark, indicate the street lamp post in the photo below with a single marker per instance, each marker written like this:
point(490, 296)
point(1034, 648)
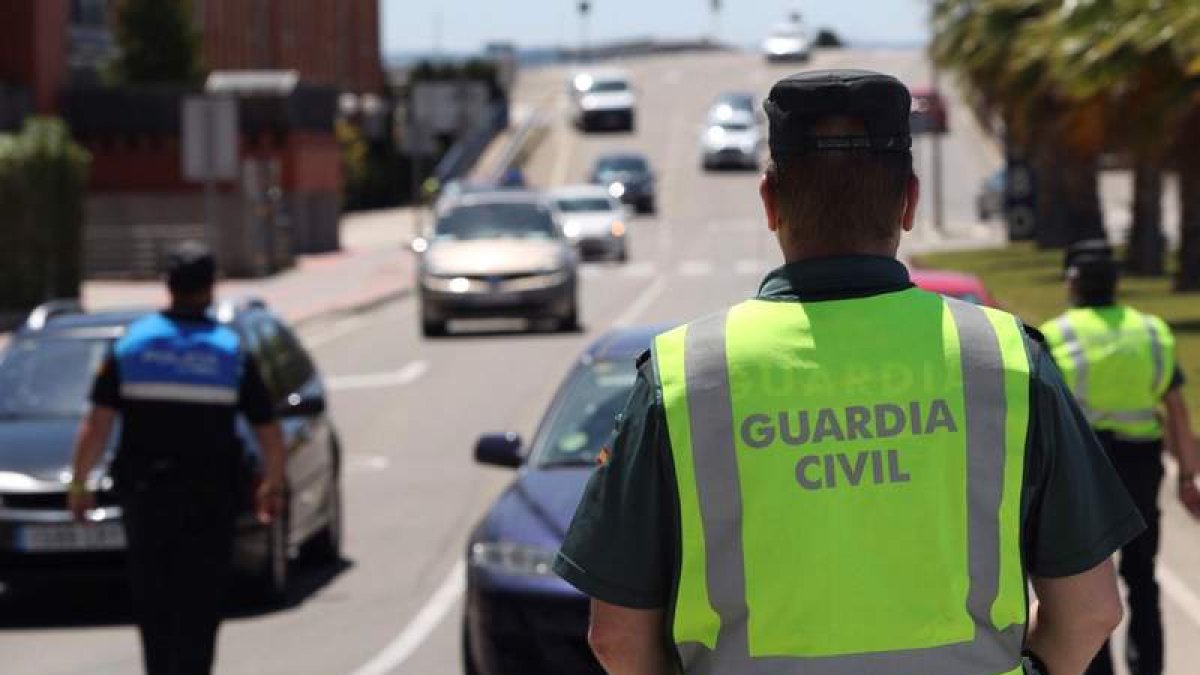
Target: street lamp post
point(715, 30)
point(585, 10)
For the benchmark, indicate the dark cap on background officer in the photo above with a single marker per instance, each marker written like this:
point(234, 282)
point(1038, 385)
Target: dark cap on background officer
point(178, 379)
point(846, 473)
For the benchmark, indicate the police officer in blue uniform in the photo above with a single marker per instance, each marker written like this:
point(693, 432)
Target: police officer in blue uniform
point(178, 380)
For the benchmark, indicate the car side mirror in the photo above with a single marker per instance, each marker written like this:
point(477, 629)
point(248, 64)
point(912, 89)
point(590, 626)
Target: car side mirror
point(503, 450)
point(304, 405)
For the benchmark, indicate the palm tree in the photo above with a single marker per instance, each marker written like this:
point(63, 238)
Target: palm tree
point(1005, 53)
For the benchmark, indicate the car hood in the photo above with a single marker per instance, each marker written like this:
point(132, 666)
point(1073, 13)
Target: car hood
point(616, 100)
point(494, 256)
point(537, 507)
point(732, 139)
point(38, 448)
point(782, 44)
point(588, 224)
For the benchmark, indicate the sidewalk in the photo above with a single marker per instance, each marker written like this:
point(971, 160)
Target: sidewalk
point(373, 266)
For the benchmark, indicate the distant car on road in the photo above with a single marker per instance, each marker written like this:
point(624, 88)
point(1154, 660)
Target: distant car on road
point(627, 176)
point(732, 135)
point(952, 284)
point(497, 254)
point(989, 203)
point(603, 99)
point(788, 41)
point(593, 220)
point(45, 376)
point(929, 114)
point(520, 618)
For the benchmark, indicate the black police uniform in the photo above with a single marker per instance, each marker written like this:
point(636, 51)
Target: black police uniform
point(178, 380)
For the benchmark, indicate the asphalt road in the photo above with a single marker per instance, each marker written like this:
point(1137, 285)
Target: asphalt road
point(409, 410)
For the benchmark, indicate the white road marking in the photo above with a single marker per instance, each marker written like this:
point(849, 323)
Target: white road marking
point(336, 332)
point(369, 463)
point(695, 268)
point(641, 303)
point(408, 640)
point(750, 267)
point(396, 378)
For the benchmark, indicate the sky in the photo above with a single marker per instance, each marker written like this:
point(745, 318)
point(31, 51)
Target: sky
point(465, 25)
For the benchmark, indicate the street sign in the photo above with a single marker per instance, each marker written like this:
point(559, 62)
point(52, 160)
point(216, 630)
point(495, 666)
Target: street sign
point(210, 138)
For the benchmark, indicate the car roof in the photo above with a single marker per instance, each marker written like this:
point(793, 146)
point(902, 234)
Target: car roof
point(625, 344)
point(738, 96)
point(623, 154)
point(495, 197)
point(585, 190)
point(114, 321)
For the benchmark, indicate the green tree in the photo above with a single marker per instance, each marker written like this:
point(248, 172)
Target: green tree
point(158, 43)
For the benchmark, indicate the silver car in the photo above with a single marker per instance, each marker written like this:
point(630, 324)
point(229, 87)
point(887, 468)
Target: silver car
point(732, 138)
point(499, 254)
point(593, 220)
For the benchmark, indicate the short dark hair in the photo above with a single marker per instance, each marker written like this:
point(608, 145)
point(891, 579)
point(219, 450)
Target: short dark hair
point(844, 200)
point(1095, 280)
point(190, 268)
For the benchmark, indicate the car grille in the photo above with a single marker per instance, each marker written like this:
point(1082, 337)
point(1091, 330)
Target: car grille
point(49, 501)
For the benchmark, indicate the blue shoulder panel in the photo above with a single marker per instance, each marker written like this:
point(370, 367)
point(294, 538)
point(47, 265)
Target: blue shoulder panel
point(180, 361)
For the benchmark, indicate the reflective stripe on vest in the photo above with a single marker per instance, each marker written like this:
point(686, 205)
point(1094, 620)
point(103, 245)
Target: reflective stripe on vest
point(716, 628)
point(1115, 361)
point(167, 361)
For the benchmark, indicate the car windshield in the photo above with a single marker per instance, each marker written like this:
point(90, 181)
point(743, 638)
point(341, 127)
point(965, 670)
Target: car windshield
point(496, 221)
point(608, 87)
point(734, 126)
point(584, 204)
point(621, 165)
point(48, 377)
point(581, 420)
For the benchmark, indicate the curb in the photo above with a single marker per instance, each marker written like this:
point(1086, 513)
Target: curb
point(352, 308)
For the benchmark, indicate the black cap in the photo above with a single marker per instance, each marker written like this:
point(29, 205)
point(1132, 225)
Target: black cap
point(191, 267)
point(797, 103)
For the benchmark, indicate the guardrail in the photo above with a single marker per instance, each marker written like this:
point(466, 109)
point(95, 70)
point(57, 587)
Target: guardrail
point(520, 144)
point(459, 159)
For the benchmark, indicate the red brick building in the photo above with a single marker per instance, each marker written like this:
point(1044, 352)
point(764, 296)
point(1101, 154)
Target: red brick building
point(33, 48)
point(330, 42)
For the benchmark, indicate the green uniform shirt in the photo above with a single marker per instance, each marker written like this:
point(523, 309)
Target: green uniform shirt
point(623, 546)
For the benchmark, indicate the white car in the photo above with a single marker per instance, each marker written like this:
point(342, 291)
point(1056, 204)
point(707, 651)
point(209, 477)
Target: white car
point(592, 220)
point(788, 41)
point(603, 99)
point(732, 137)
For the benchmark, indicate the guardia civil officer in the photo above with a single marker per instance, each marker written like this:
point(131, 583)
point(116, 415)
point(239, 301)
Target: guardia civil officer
point(845, 474)
point(1121, 365)
point(178, 379)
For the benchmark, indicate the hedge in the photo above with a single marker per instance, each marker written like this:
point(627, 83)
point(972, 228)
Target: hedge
point(43, 175)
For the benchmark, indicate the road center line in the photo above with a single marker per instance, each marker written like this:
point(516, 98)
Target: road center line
point(407, 641)
point(337, 331)
point(641, 303)
point(396, 378)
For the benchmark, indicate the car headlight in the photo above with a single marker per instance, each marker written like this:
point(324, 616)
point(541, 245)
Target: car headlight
point(617, 190)
point(572, 230)
point(617, 229)
point(513, 559)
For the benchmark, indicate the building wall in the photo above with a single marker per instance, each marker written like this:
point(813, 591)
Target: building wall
point(33, 48)
point(331, 42)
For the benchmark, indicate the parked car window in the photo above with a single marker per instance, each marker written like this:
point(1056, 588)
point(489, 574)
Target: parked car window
point(48, 377)
point(586, 205)
point(285, 364)
point(582, 419)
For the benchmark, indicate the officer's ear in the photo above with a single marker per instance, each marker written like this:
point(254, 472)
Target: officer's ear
point(912, 197)
point(766, 190)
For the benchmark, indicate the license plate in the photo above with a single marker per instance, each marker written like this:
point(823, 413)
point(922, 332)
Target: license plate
point(66, 537)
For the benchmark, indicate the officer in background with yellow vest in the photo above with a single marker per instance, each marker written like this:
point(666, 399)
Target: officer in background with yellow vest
point(847, 475)
point(1121, 365)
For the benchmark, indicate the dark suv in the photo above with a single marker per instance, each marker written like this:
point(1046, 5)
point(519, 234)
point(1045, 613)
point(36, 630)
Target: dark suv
point(45, 376)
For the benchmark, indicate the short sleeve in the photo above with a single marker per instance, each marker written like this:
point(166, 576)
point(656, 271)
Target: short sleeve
point(1081, 513)
point(254, 399)
point(106, 388)
point(618, 549)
